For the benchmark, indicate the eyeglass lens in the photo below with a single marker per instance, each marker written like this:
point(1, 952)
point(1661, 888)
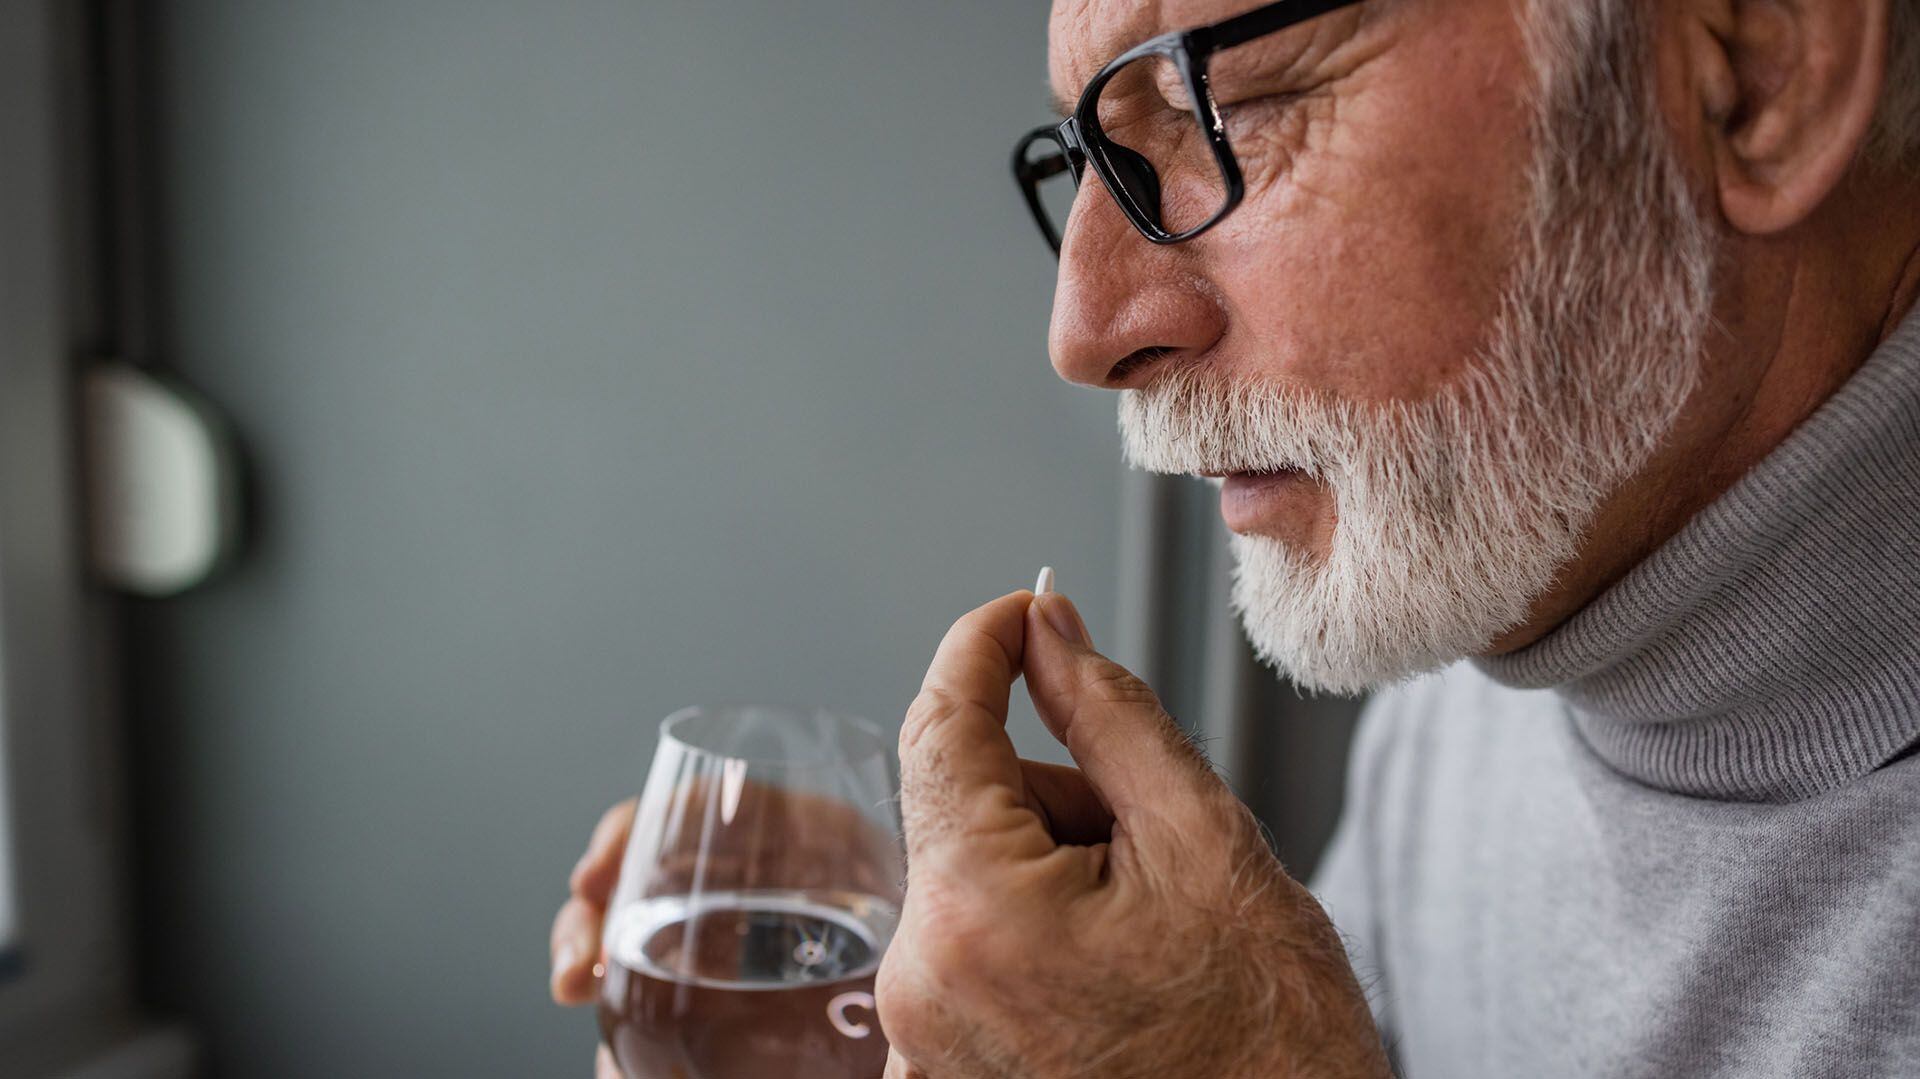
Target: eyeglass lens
point(1156, 148)
point(1158, 151)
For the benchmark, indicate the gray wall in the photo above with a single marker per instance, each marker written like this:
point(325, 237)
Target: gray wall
point(593, 358)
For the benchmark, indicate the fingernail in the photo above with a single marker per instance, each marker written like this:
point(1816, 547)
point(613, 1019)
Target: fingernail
point(564, 959)
point(1045, 584)
point(1061, 614)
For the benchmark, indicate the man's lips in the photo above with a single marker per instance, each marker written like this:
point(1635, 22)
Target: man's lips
point(1248, 499)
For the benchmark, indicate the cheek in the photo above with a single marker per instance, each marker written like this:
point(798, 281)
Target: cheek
point(1370, 261)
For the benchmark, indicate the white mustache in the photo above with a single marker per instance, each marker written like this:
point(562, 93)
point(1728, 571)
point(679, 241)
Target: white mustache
point(1190, 421)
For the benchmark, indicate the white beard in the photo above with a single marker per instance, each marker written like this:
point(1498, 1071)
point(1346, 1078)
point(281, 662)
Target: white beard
point(1455, 513)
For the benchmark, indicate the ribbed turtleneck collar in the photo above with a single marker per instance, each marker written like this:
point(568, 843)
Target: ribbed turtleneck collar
point(1771, 649)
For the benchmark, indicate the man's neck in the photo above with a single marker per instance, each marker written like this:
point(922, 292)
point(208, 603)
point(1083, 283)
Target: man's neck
point(1797, 316)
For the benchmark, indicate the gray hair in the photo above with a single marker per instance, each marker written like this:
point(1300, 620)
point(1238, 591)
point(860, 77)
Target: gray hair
point(1562, 29)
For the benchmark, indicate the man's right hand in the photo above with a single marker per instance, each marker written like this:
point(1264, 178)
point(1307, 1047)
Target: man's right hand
point(575, 941)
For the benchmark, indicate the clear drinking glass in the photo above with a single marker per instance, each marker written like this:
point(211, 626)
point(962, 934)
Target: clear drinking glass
point(758, 891)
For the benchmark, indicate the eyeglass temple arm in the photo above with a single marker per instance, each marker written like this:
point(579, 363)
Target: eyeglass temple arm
point(1061, 160)
point(1262, 20)
point(1052, 165)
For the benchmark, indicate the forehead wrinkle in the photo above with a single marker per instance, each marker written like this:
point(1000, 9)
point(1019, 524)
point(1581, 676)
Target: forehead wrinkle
point(1310, 46)
point(1082, 35)
point(1085, 34)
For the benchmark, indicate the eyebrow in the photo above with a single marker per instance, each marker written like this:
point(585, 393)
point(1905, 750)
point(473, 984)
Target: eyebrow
point(1062, 106)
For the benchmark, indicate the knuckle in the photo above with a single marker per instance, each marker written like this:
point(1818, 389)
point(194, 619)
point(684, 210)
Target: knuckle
point(970, 622)
point(948, 960)
point(941, 947)
point(932, 707)
point(973, 953)
point(908, 1015)
point(1110, 684)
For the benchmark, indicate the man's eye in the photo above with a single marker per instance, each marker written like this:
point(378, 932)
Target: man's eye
point(1258, 107)
point(1277, 99)
point(1175, 97)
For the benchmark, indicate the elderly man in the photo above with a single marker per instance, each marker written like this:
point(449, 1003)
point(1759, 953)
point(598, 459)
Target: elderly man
point(1566, 337)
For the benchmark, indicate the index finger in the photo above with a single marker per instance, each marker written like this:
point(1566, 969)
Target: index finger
point(959, 773)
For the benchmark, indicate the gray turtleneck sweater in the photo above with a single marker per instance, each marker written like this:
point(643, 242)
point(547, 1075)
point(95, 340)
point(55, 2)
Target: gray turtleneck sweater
point(1679, 835)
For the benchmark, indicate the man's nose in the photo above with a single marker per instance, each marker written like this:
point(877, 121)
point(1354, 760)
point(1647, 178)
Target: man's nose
point(1124, 306)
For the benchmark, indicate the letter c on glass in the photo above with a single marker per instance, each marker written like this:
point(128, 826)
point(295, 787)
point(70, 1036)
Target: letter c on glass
point(837, 1013)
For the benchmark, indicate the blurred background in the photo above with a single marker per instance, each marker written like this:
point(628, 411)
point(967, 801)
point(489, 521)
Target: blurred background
point(565, 363)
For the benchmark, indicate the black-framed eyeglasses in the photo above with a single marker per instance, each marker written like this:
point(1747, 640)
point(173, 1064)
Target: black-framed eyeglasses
point(1175, 176)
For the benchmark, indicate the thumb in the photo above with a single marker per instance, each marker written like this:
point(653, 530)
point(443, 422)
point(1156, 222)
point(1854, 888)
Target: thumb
point(1142, 764)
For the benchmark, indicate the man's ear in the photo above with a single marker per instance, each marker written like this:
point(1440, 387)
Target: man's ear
point(1789, 90)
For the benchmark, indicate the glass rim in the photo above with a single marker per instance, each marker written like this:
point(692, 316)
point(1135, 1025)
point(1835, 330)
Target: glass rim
point(670, 733)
